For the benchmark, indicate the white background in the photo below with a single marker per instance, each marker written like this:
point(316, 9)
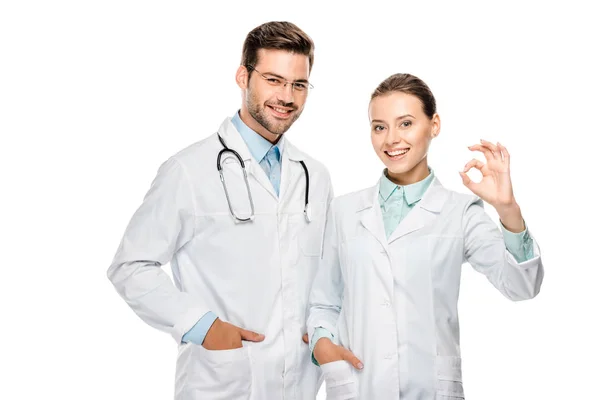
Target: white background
point(95, 95)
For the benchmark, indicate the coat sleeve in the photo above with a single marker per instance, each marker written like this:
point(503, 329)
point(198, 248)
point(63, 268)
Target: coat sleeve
point(325, 299)
point(163, 224)
point(485, 250)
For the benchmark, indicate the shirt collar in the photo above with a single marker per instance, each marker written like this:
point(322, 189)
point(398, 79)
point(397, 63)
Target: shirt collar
point(412, 193)
point(258, 145)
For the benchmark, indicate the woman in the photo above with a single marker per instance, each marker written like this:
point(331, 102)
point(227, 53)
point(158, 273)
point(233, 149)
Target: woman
point(387, 287)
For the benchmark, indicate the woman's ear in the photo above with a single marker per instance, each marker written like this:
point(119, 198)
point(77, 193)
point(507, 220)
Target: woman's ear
point(436, 125)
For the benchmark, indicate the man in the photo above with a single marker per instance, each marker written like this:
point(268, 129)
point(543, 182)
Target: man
point(242, 256)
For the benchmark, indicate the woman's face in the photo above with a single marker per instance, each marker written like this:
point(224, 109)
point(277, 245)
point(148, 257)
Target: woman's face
point(401, 133)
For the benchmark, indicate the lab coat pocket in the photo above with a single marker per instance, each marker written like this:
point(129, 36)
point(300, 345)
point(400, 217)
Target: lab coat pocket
point(213, 374)
point(340, 380)
point(449, 378)
point(311, 233)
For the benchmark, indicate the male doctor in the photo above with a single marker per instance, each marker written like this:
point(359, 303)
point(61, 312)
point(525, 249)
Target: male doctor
point(243, 252)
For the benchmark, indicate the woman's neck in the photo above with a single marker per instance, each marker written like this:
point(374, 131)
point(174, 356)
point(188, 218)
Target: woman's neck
point(417, 174)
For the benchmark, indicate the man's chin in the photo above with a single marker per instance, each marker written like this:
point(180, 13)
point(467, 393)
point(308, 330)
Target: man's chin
point(277, 129)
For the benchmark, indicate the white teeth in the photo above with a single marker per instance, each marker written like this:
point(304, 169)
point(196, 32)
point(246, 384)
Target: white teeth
point(280, 110)
point(397, 152)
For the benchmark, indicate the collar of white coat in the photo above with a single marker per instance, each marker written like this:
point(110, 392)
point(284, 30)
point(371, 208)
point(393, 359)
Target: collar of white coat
point(234, 141)
point(433, 199)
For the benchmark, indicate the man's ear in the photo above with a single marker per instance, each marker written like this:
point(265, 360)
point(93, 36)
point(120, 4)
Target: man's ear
point(241, 77)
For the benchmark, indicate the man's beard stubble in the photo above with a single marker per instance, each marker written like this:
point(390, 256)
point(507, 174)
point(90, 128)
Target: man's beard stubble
point(259, 113)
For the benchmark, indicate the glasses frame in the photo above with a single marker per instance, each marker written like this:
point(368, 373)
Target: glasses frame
point(285, 81)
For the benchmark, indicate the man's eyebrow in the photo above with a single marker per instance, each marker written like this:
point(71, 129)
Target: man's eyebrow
point(281, 77)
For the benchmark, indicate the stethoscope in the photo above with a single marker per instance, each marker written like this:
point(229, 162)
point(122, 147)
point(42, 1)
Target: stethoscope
point(307, 211)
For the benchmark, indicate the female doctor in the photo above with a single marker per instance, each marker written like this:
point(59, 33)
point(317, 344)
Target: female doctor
point(387, 287)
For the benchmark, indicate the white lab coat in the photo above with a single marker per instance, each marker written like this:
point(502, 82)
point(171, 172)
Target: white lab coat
point(397, 299)
point(255, 275)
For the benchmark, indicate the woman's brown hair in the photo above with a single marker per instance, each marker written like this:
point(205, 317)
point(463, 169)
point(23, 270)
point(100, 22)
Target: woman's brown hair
point(409, 84)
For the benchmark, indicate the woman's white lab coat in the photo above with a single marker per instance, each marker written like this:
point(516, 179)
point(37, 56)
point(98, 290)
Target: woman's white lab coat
point(255, 275)
point(393, 302)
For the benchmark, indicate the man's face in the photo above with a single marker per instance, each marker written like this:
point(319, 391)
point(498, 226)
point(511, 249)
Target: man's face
point(274, 107)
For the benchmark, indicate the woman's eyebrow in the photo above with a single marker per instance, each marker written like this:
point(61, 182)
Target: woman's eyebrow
point(397, 118)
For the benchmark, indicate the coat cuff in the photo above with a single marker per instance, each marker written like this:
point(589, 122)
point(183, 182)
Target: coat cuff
point(187, 322)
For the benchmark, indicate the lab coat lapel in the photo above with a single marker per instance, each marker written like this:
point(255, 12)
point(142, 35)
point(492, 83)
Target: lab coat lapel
point(424, 213)
point(371, 217)
point(234, 141)
point(289, 173)
point(261, 177)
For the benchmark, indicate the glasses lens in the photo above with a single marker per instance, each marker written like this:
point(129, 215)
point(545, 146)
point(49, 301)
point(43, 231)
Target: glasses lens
point(300, 86)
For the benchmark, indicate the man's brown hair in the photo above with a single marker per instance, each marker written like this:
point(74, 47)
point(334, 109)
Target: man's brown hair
point(276, 35)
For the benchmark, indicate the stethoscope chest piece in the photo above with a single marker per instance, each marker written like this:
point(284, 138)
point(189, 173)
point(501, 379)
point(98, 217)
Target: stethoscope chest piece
point(308, 213)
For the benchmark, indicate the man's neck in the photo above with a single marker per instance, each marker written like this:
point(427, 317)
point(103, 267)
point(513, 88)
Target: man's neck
point(258, 128)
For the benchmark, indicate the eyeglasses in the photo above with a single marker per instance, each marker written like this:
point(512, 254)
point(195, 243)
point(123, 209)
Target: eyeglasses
point(279, 82)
